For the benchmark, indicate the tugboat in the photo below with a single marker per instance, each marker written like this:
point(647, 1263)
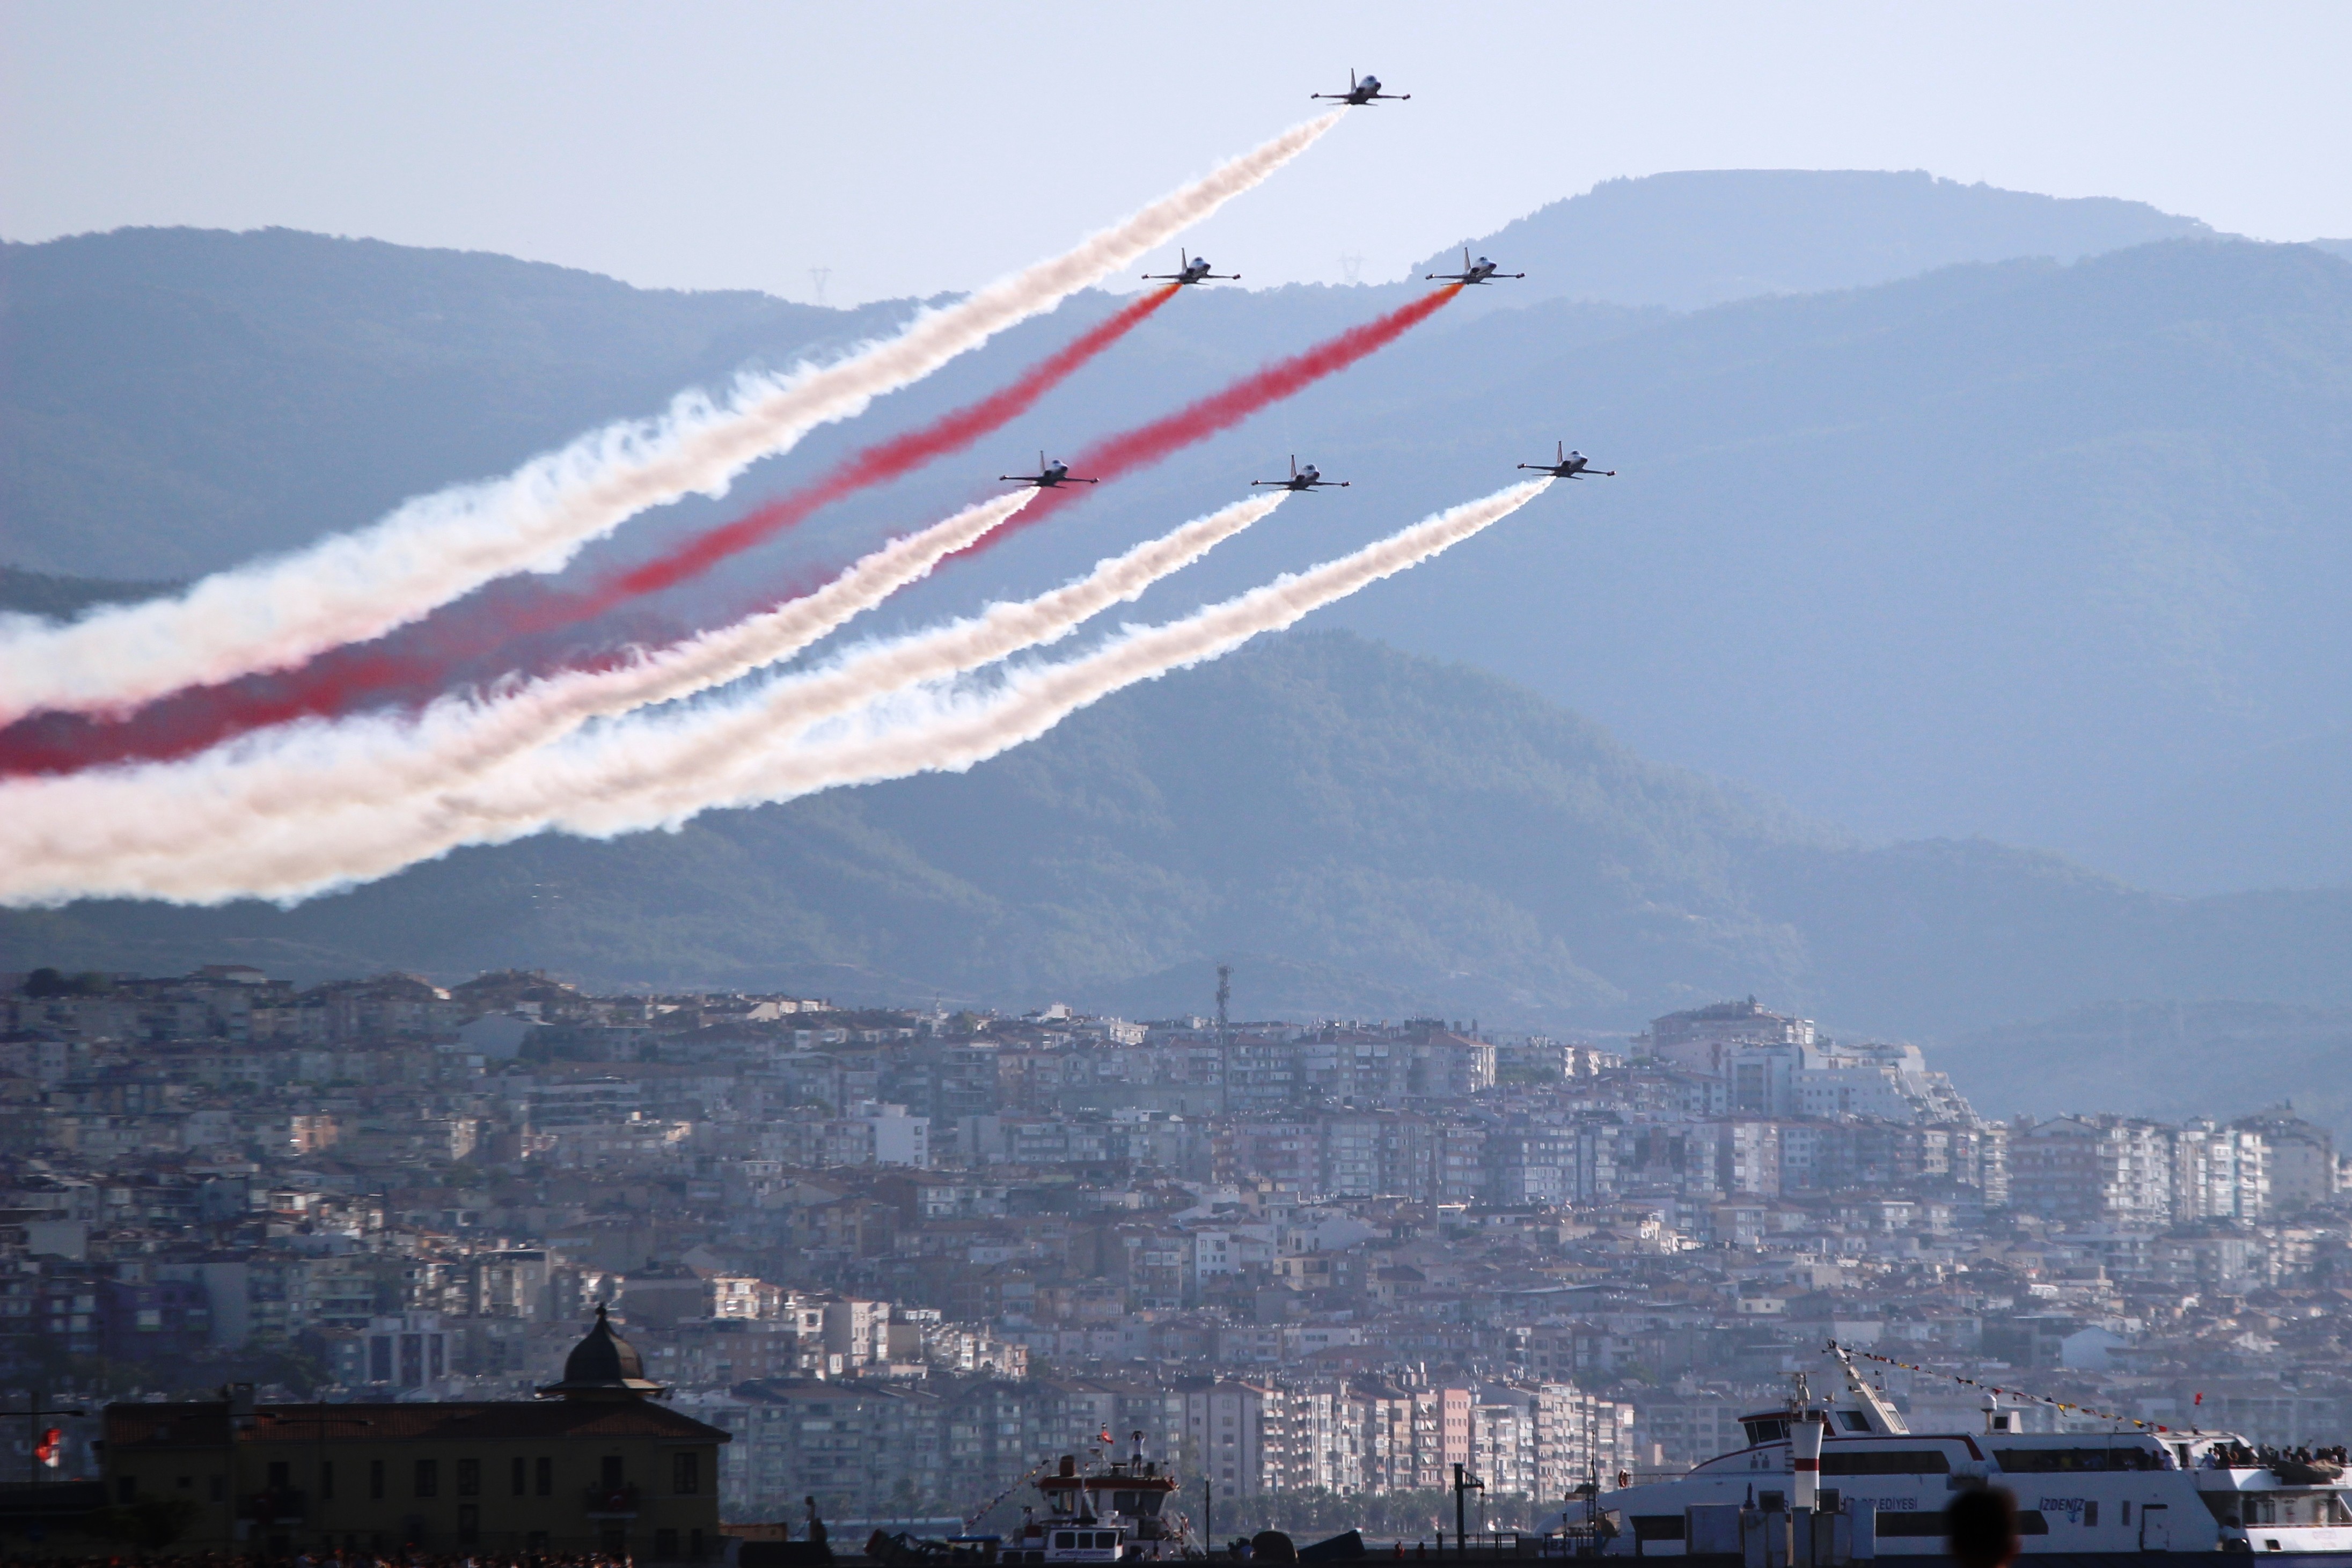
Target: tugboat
point(1111, 1515)
point(1846, 1480)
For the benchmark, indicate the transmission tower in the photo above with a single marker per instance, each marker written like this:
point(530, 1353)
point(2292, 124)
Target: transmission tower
point(1225, 1035)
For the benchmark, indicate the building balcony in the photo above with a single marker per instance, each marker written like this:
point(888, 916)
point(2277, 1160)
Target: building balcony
point(612, 1503)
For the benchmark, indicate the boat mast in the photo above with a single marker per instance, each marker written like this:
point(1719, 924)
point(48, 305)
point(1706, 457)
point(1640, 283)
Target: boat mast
point(1883, 1417)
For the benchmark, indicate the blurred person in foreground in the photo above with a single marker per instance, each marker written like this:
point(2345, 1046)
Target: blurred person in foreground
point(1980, 1528)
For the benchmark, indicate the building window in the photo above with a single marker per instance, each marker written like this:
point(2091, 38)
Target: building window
point(469, 1477)
point(612, 1473)
point(325, 1480)
point(546, 1487)
point(217, 1488)
point(521, 1484)
point(665, 1545)
point(685, 1474)
point(126, 1489)
point(469, 1523)
point(429, 1477)
point(375, 1479)
point(278, 1480)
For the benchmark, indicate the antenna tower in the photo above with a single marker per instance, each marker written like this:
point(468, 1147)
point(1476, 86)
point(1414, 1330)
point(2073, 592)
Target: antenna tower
point(1224, 1037)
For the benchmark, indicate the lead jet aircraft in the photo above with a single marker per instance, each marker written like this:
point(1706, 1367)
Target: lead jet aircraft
point(1570, 465)
point(1194, 269)
point(1479, 272)
point(1309, 478)
point(1361, 92)
point(1047, 476)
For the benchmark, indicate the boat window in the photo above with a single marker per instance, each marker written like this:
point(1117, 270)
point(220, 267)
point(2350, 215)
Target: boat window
point(1657, 1527)
point(1138, 1505)
point(1065, 1538)
point(1765, 1431)
point(1909, 1525)
point(1885, 1462)
point(1853, 1420)
point(2044, 1461)
point(1928, 1524)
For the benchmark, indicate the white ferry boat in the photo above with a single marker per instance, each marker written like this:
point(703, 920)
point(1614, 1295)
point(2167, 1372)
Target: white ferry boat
point(1103, 1516)
point(2084, 1499)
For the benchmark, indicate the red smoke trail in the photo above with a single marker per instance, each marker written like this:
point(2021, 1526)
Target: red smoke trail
point(876, 464)
point(1125, 452)
point(412, 664)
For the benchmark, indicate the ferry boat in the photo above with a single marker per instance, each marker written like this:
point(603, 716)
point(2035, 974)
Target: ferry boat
point(1108, 1515)
point(2084, 1500)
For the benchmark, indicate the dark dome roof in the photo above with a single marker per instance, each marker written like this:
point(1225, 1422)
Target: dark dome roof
point(603, 1363)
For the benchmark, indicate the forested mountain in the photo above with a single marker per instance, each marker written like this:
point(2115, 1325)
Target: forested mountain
point(1704, 236)
point(2012, 550)
point(1363, 832)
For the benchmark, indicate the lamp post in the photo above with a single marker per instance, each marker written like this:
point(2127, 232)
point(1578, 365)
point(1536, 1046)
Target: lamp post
point(1463, 1487)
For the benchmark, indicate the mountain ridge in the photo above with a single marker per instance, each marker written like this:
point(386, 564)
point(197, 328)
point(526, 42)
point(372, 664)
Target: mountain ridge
point(1380, 832)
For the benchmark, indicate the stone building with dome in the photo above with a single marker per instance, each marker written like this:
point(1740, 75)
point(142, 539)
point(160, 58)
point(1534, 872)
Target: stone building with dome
point(597, 1463)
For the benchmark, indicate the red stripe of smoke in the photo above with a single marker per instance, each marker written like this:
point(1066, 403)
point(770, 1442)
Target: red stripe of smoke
point(1125, 452)
point(409, 666)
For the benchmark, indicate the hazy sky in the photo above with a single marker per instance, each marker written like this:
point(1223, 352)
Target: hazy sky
point(913, 148)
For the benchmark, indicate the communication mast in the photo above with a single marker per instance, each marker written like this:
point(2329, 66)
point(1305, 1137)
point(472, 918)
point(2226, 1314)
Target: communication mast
point(1224, 1034)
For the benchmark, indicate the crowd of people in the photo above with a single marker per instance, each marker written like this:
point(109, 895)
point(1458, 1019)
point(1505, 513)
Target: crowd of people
point(2238, 1457)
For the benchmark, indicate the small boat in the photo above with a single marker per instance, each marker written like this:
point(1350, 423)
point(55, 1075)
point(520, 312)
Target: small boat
point(1108, 1515)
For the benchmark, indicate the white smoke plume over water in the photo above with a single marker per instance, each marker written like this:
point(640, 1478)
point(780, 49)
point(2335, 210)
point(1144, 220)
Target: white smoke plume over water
point(55, 830)
point(274, 614)
point(178, 832)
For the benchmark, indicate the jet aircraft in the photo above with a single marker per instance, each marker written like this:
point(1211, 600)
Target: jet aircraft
point(1194, 269)
point(1309, 478)
point(1048, 475)
point(1480, 271)
point(1361, 92)
point(1568, 464)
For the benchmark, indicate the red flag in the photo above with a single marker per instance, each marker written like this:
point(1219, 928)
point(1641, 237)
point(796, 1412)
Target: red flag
point(50, 1450)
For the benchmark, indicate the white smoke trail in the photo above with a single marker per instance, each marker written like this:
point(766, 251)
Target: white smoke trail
point(185, 831)
point(936, 731)
point(274, 614)
point(56, 829)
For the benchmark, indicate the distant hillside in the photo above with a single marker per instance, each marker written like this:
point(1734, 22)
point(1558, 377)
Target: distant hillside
point(1703, 236)
point(1362, 832)
point(178, 400)
point(39, 594)
point(2168, 1059)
